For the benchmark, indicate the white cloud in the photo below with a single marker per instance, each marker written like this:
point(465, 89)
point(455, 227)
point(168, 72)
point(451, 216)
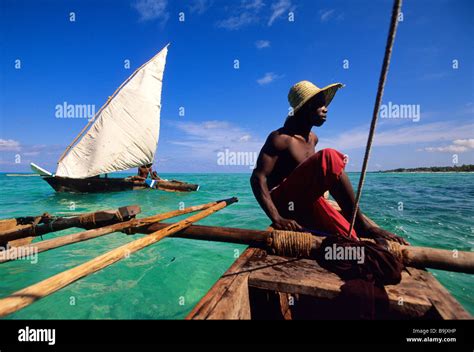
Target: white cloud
point(278, 9)
point(415, 133)
point(200, 6)
point(9, 145)
point(245, 14)
point(261, 44)
point(152, 9)
point(268, 78)
point(237, 22)
point(252, 4)
point(325, 15)
point(434, 75)
point(245, 138)
point(250, 12)
point(458, 146)
point(201, 141)
point(46, 155)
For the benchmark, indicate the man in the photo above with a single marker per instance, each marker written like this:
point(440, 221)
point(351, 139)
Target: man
point(290, 178)
point(145, 170)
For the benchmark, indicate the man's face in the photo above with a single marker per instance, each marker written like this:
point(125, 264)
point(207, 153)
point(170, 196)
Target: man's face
point(318, 111)
point(319, 116)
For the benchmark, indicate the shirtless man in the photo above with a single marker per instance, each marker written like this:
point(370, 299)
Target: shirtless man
point(290, 178)
point(145, 170)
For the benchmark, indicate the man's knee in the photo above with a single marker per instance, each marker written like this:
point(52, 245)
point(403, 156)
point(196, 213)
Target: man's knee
point(329, 163)
point(327, 155)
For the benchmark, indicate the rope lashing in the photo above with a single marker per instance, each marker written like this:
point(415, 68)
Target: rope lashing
point(45, 218)
point(87, 219)
point(397, 5)
point(119, 216)
point(291, 244)
point(396, 250)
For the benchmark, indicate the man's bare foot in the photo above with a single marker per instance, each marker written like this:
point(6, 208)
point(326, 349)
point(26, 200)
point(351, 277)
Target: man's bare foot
point(377, 232)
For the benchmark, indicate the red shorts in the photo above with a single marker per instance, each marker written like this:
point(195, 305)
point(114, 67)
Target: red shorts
point(301, 195)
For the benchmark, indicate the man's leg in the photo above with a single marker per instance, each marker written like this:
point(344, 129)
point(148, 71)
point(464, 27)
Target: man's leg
point(343, 193)
point(300, 195)
point(306, 185)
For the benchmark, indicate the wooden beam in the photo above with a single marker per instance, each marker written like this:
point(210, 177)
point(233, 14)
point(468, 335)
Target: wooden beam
point(445, 304)
point(42, 246)
point(88, 220)
point(31, 294)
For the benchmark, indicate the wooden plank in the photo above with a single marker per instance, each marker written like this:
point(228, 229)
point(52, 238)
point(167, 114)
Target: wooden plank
point(294, 276)
point(444, 303)
point(409, 297)
point(285, 305)
point(306, 277)
point(209, 302)
point(9, 224)
point(234, 303)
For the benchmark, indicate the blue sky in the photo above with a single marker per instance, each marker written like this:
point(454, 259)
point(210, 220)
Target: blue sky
point(82, 62)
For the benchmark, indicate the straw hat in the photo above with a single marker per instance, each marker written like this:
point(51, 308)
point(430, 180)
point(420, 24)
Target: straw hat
point(303, 91)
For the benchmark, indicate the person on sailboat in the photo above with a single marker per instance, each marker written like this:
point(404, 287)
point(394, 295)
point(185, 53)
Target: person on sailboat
point(145, 170)
point(290, 178)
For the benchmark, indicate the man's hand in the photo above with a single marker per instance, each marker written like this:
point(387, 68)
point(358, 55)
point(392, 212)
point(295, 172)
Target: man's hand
point(286, 224)
point(377, 232)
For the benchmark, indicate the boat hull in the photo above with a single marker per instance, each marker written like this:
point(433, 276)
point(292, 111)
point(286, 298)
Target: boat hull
point(101, 185)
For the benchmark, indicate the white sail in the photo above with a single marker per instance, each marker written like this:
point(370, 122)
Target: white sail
point(125, 132)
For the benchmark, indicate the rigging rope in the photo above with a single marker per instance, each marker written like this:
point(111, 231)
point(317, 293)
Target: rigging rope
point(383, 76)
point(292, 244)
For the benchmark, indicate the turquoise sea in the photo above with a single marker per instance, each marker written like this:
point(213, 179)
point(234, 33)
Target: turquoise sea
point(165, 280)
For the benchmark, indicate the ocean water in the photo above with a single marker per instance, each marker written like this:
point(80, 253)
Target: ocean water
point(165, 280)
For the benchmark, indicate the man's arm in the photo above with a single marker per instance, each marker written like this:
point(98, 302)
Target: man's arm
point(266, 161)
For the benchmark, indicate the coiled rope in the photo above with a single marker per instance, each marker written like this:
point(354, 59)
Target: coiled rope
point(87, 219)
point(292, 244)
point(397, 5)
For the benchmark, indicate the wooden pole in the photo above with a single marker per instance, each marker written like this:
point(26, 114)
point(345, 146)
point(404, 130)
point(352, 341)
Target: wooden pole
point(87, 220)
point(418, 257)
point(29, 295)
point(434, 258)
point(42, 246)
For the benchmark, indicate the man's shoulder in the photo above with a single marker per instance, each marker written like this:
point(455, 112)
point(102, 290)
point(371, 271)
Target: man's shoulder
point(278, 139)
point(314, 137)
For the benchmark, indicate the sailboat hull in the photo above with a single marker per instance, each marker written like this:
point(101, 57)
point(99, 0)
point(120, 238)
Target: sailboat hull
point(100, 185)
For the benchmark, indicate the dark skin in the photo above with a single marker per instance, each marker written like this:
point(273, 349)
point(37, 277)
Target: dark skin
point(284, 150)
point(145, 170)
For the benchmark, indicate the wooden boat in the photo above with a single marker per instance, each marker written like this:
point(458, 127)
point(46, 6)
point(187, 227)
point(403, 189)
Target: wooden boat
point(261, 286)
point(122, 135)
point(112, 184)
point(264, 283)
